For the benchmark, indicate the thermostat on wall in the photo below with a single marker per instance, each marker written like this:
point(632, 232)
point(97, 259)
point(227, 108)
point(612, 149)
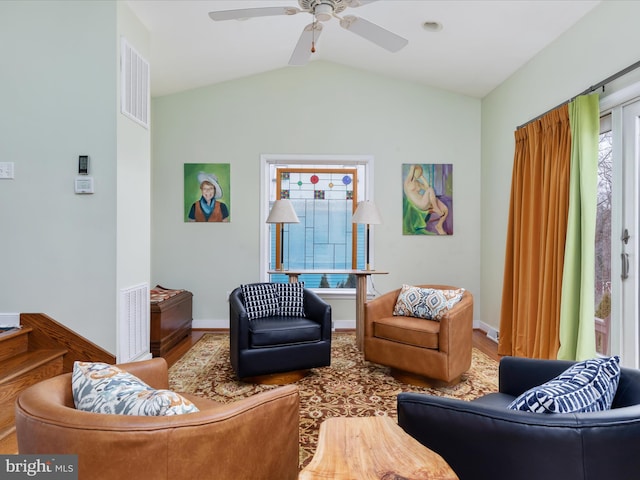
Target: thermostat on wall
point(84, 184)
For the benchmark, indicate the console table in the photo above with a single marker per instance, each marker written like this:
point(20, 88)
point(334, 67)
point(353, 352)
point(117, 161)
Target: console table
point(372, 448)
point(361, 292)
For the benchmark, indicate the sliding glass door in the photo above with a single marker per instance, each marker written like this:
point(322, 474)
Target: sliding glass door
point(617, 263)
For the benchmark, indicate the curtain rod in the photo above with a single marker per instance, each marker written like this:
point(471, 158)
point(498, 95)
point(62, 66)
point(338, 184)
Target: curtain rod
point(591, 89)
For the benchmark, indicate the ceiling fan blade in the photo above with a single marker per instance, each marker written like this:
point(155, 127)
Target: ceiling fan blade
point(252, 12)
point(306, 42)
point(358, 3)
point(374, 33)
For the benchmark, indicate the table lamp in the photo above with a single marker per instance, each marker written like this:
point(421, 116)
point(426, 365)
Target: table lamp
point(367, 213)
point(282, 212)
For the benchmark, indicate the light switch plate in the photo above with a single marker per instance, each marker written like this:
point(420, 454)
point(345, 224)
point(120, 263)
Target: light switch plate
point(6, 169)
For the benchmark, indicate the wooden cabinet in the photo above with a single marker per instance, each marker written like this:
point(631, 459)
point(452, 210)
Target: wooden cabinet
point(171, 317)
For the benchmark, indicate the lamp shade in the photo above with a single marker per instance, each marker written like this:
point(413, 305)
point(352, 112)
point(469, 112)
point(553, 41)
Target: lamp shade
point(367, 212)
point(282, 212)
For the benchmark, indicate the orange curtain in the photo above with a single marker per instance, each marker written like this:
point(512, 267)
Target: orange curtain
point(530, 314)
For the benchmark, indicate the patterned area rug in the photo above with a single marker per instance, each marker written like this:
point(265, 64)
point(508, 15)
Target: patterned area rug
point(350, 387)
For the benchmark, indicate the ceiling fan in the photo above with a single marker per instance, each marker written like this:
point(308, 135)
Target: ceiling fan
point(322, 11)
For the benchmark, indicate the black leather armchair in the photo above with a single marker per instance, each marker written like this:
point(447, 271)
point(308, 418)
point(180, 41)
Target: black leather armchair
point(482, 439)
point(278, 344)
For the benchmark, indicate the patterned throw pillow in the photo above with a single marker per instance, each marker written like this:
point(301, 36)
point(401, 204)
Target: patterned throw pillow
point(291, 299)
point(587, 386)
point(102, 388)
point(260, 300)
point(429, 303)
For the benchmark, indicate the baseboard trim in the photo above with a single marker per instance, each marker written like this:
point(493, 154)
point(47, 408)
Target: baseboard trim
point(344, 324)
point(206, 324)
point(492, 333)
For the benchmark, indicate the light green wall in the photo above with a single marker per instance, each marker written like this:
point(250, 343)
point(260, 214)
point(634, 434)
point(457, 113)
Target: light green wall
point(322, 108)
point(59, 98)
point(604, 42)
point(58, 95)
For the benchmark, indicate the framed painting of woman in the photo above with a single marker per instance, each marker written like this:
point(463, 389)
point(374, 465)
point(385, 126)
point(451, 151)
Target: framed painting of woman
point(427, 199)
point(207, 192)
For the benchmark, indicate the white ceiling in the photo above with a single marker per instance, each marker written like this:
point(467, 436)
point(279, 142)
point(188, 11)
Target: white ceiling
point(480, 45)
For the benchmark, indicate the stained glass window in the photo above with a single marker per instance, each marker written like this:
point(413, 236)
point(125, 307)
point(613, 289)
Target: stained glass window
point(324, 200)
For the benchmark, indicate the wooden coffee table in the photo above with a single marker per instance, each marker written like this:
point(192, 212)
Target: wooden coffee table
point(372, 448)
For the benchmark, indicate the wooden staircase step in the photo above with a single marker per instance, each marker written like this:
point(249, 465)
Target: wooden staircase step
point(13, 342)
point(24, 362)
point(21, 371)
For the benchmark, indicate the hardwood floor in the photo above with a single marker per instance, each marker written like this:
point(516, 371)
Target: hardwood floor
point(480, 341)
point(183, 347)
point(485, 344)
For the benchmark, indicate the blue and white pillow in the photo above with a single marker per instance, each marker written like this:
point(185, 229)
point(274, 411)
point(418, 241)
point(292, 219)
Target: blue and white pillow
point(291, 299)
point(260, 300)
point(587, 386)
point(103, 388)
point(429, 303)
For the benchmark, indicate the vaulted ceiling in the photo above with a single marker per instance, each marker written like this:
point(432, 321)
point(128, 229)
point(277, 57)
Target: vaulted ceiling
point(481, 43)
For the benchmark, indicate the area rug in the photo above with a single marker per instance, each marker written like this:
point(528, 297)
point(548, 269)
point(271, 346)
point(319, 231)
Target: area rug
point(350, 387)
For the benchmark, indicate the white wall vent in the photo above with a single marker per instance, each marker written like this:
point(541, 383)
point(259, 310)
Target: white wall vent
point(134, 90)
point(133, 331)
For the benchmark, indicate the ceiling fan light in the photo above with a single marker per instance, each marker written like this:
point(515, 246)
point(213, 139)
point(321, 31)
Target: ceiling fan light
point(323, 12)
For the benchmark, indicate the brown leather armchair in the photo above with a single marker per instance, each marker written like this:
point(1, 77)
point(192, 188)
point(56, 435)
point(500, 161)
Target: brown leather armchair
point(418, 350)
point(222, 441)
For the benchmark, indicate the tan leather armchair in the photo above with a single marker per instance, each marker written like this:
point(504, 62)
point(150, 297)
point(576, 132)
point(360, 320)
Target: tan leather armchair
point(254, 438)
point(418, 350)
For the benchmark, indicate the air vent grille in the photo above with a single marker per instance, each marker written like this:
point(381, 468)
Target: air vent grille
point(134, 91)
point(134, 323)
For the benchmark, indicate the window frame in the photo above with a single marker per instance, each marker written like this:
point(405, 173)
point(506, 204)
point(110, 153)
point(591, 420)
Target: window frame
point(317, 161)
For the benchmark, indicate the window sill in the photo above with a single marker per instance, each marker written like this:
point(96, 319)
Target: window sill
point(339, 293)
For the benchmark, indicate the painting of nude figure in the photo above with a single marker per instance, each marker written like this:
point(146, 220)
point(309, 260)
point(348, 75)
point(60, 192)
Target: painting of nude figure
point(427, 199)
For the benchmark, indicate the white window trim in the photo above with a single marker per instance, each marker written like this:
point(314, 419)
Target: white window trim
point(619, 98)
point(266, 160)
